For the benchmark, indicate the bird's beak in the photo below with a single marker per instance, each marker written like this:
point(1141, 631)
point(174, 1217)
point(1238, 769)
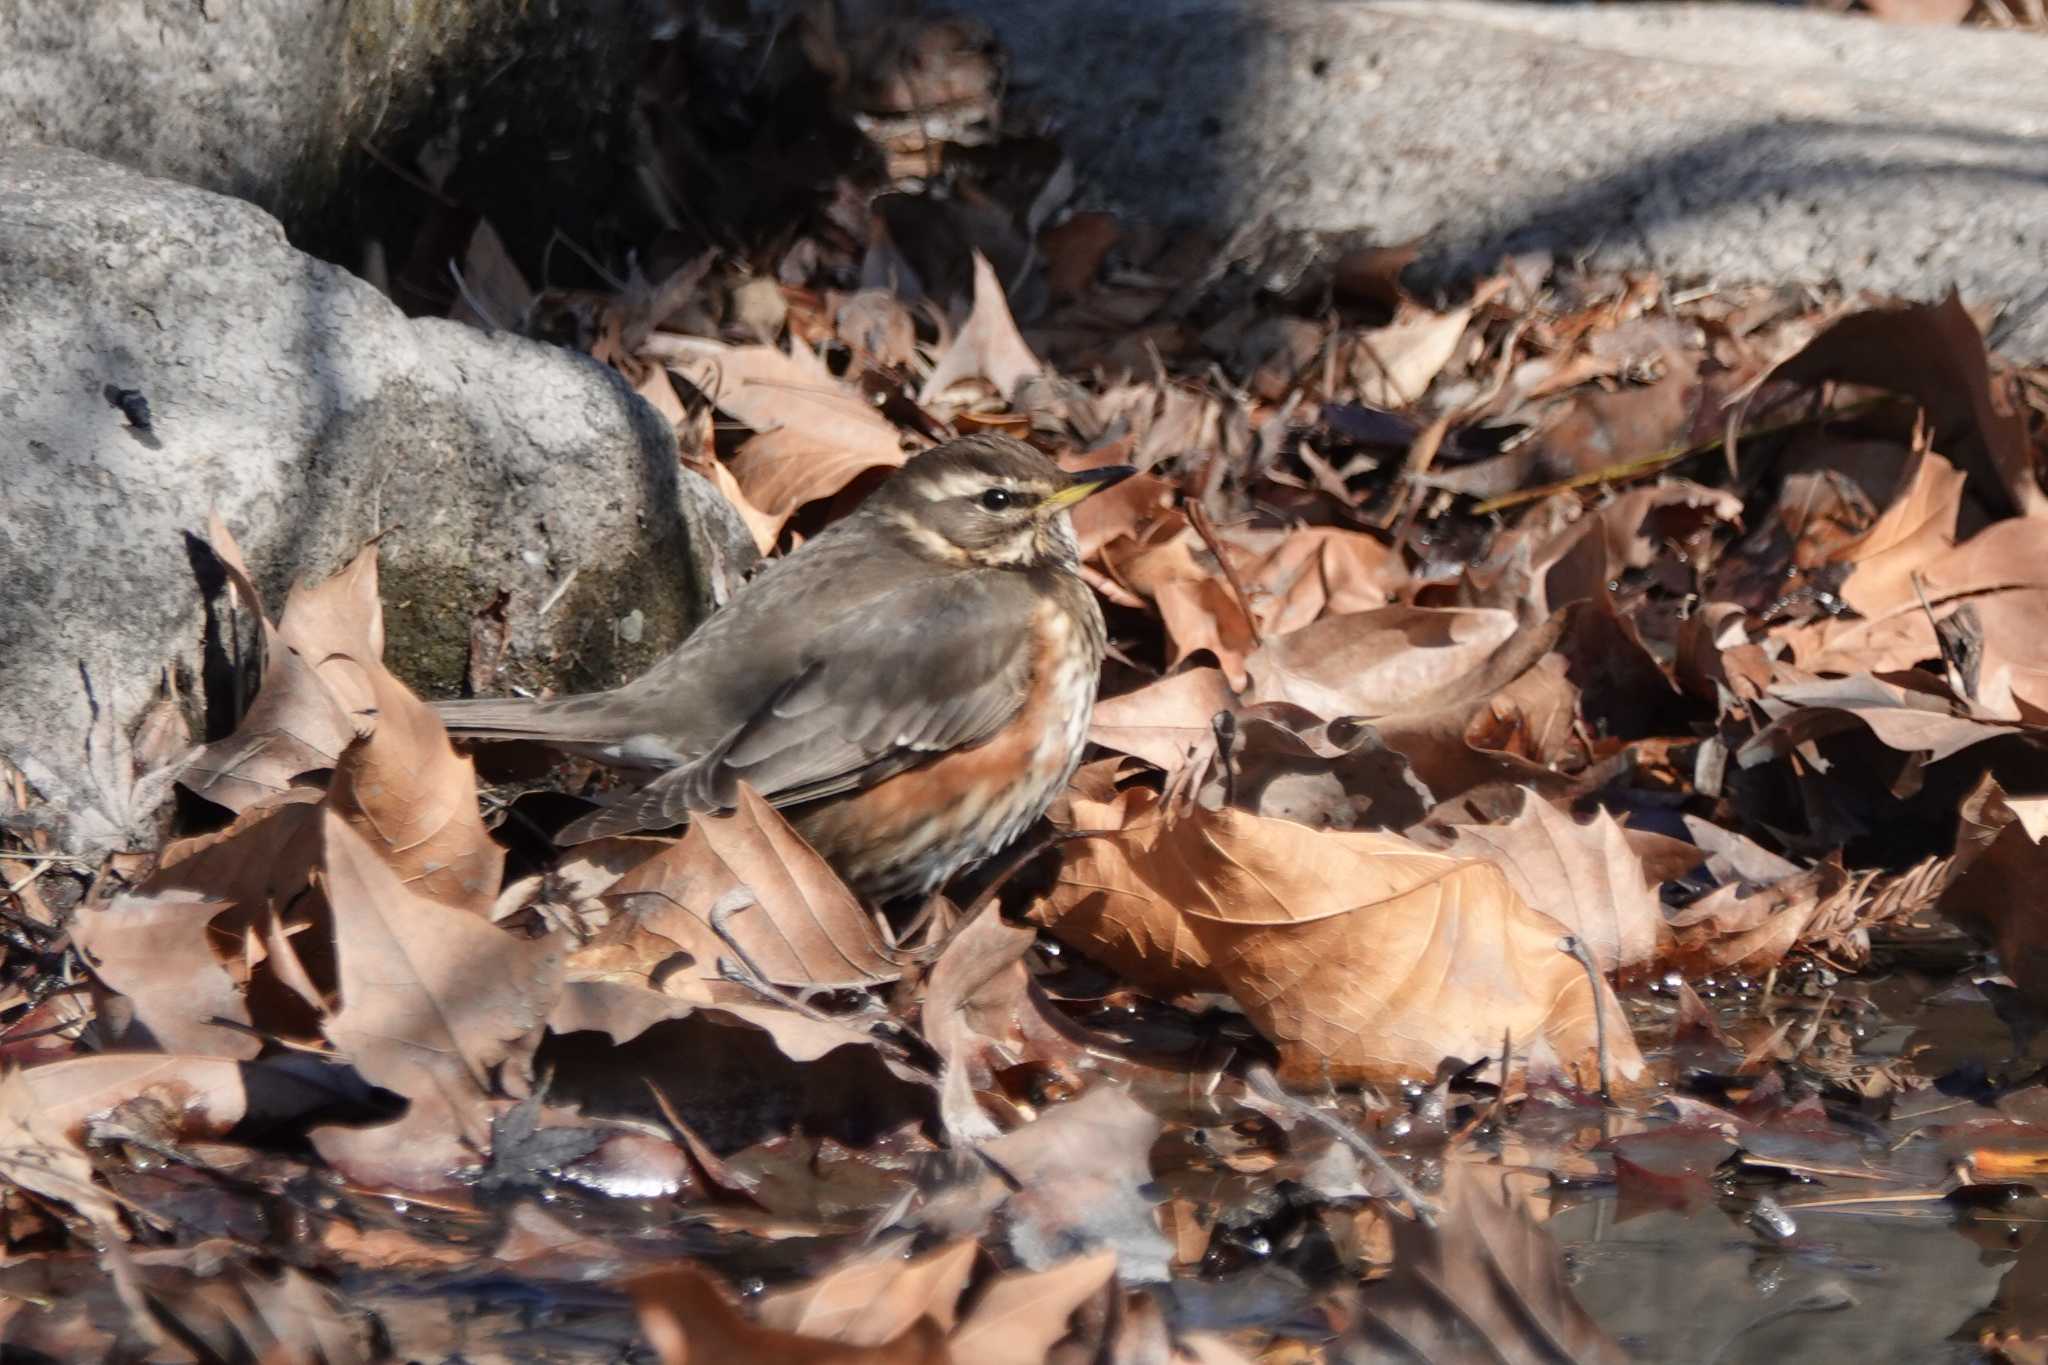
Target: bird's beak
point(1087, 483)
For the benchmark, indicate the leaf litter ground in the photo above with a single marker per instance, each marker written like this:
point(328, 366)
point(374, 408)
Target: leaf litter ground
point(1556, 878)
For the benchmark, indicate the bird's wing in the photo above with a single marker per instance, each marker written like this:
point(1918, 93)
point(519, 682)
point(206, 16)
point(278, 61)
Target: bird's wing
point(931, 664)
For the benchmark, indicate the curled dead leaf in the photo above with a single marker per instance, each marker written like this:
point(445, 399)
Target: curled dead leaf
point(1105, 906)
point(1487, 1282)
point(745, 885)
point(297, 724)
point(432, 999)
point(1934, 354)
point(988, 345)
point(1584, 876)
point(1362, 956)
point(688, 1318)
point(1999, 849)
point(875, 1295)
point(405, 790)
point(1166, 722)
point(815, 434)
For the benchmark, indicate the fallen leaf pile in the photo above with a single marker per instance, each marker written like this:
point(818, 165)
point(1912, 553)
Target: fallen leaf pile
point(1546, 730)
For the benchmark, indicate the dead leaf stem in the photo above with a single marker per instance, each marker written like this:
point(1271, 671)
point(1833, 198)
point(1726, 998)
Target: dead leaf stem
point(1267, 1087)
point(1571, 946)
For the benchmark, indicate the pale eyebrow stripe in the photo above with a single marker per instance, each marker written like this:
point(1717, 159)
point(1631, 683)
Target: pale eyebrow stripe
point(968, 483)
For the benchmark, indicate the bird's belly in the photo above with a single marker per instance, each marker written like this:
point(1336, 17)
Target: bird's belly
point(908, 834)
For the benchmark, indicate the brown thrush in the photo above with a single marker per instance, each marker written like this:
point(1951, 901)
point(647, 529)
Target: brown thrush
point(912, 686)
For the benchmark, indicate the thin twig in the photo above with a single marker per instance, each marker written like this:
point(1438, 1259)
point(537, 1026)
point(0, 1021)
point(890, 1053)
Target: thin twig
point(28, 880)
point(1267, 1087)
point(1507, 1057)
point(1573, 948)
point(1206, 529)
point(1948, 664)
point(1657, 464)
point(409, 177)
point(476, 305)
point(741, 968)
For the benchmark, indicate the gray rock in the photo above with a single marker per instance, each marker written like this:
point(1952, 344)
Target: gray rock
point(1719, 143)
point(272, 100)
point(299, 404)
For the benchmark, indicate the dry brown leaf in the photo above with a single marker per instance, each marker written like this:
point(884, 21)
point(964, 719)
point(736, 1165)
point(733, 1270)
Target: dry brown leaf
point(1394, 365)
point(1022, 1316)
point(1841, 645)
point(750, 875)
point(1934, 354)
point(337, 624)
point(1584, 876)
point(173, 944)
point(877, 327)
point(432, 998)
point(1734, 927)
point(1465, 695)
point(1941, 12)
point(203, 1097)
point(623, 1010)
point(780, 471)
point(1318, 571)
point(816, 433)
point(620, 1009)
point(2004, 555)
point(983, 1012)
point(1486, 1283)
point(39, 1149)
point(688, 1318)
point(413, 798)
point(1169, 565)
point(1377, 663)
point(1996, 855)
point(1918, 723)
point(1284, 762)
point(660, 392)
point(1159, 551)
point(2010, 677)
point(492, 292)
point(1081, 1170)
point(1827, 909)
point(1988, 592)
point(155, 946)
point(295, 726)
point(1634, 525)
point(1125, 509)
point(1602, 428)
point(875, 1295)
point(988, 346)
point(1201, 614)
point(1167, 721)
point(1364, 957)
point(1917, 528)
point(1104, 906)
point(762, 528)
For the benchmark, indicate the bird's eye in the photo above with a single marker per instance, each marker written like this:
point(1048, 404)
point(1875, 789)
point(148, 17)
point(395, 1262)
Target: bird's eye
point(996, 499)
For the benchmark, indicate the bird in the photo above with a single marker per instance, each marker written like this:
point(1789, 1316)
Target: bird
point(911, 687)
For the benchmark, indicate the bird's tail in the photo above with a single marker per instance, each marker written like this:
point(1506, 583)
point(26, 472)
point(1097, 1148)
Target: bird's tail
point(493, 718)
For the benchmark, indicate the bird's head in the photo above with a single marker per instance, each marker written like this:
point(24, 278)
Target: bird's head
point(989, 501)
